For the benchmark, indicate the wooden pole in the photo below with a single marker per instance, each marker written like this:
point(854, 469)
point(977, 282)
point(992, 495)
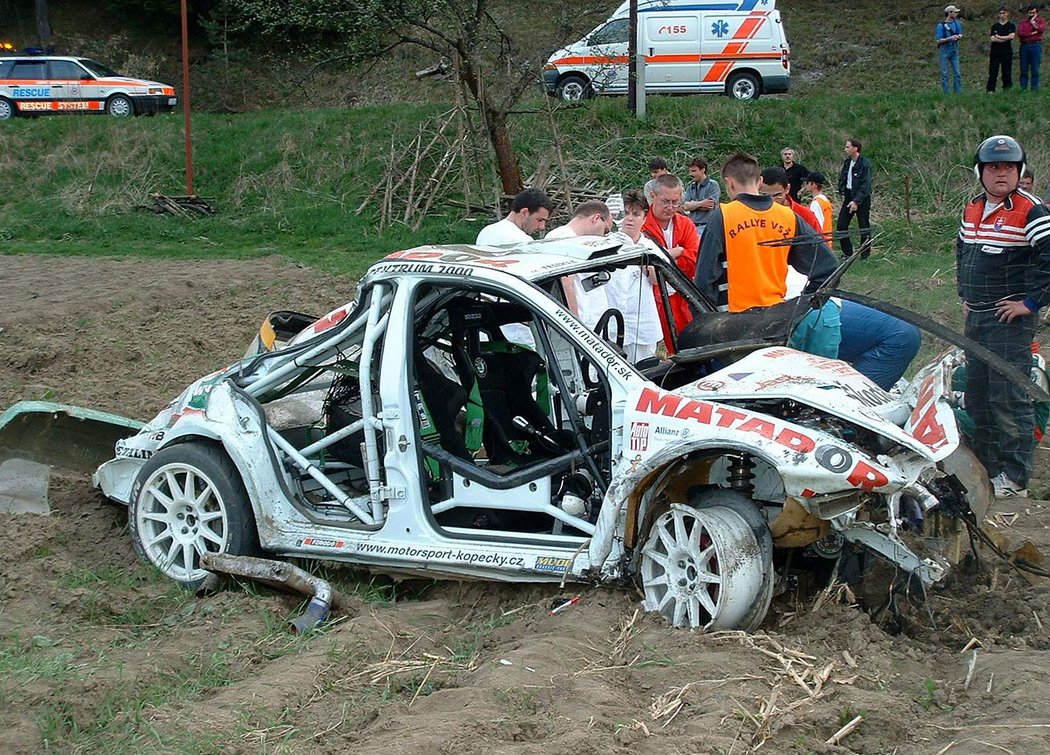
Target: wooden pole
point(186, 100)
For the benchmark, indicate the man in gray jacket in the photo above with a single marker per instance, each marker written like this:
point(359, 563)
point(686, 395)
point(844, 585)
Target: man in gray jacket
point(855, 188)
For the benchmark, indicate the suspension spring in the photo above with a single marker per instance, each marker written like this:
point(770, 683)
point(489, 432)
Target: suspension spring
point(741, 474)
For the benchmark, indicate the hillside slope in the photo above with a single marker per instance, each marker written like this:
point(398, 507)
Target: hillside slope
point(836, 48)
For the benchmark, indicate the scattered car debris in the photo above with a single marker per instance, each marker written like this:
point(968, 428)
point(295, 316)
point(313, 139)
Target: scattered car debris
point(24, 487)
point(562, 603)
point(280, 574)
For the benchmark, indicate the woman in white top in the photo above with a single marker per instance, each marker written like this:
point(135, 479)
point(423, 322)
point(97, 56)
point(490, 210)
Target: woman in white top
point(630, 289)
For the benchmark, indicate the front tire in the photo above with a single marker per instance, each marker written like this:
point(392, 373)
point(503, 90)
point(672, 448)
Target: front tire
point(188, 500)
point(7, 109)
point(573, 88)
point(744, 86)
point(703, 569)
point(120, 106)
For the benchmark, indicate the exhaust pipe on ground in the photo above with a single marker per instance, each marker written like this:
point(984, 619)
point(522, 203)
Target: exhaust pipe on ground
point(280, 575)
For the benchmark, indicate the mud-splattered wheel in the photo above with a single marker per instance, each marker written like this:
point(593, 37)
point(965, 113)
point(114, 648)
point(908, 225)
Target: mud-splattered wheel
point(189, 500)
point(702, 569)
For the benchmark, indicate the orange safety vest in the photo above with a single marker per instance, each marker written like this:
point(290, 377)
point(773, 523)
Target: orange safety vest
point(825, 207)
point(756, 273)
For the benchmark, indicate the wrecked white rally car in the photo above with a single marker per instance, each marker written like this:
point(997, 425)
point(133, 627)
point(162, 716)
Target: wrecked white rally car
point(459, 420)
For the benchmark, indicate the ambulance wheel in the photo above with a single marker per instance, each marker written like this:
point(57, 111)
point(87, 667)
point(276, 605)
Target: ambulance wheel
point(7, 110)
point(573, 89)
point(119, 106)
point(189, 500)
point(744, 86)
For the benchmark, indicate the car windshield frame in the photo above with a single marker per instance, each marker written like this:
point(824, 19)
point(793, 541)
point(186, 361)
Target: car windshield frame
point(99, 70)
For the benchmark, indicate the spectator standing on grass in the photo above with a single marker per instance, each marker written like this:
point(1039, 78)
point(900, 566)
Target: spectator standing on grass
point(1003, 278)
point(796, 172)
point(676, 235)
point(855, 189)
point(819, 203)
point(1030, 34)
point(657, 168)
point(948, 33)
point(1027, 182)
point(1001, 51)
point(701, 194)
point(528, 215)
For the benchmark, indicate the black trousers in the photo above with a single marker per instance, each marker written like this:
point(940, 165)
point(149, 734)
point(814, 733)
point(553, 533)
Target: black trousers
point(1000, 61)
point(846, 218)
point(1004, 440)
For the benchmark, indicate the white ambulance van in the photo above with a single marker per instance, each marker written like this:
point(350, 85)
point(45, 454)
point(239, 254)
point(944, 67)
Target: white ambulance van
point(733, 47)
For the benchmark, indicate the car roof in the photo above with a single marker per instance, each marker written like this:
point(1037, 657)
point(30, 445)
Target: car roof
point(44, 57)
point(529, 261)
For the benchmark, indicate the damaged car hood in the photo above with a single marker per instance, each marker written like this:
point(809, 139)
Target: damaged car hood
point(924, 425)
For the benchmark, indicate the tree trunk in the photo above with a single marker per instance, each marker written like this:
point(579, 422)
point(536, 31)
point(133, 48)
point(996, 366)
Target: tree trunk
point(43, 23)
point(495, 122)
point(503, 148)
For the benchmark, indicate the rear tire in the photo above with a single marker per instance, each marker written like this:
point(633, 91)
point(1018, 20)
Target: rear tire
point(120, 106)
point(7, 109)
point(573, 88)
point(744, 86)
point(188, 500)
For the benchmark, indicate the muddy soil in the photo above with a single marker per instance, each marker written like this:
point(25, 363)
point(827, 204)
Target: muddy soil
point(98, 655)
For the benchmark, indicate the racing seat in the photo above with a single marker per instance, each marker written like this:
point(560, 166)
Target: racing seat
point(443, 399)
point(514, 424)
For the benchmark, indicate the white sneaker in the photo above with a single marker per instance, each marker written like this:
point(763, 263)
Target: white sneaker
point(1006, 488)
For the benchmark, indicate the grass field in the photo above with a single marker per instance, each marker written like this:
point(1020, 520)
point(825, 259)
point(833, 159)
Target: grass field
point(290, 182)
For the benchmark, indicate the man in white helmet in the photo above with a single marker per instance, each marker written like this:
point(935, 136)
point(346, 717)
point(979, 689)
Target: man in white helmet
point(1003, 276)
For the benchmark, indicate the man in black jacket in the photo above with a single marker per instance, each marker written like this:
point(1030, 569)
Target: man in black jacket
point(855, 188)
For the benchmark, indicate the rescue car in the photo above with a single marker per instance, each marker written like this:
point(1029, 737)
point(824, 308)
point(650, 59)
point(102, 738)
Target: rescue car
point(738, 48)
point(35, 84)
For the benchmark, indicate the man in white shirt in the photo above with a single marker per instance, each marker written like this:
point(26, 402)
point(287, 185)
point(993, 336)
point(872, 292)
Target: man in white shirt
point(528, 215)
point(592, 218)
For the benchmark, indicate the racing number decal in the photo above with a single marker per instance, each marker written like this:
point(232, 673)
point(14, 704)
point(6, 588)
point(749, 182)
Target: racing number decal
point(923, 424)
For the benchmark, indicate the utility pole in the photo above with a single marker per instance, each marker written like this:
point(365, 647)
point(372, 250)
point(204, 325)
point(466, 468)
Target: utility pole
point(632, 52)
point(186, 100)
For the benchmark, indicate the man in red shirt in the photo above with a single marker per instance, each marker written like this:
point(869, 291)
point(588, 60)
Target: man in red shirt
point(675, 233)
point(774, 183)
point(1030, 33)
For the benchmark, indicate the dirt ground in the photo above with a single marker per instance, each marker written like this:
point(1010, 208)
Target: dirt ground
point(98, 655)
